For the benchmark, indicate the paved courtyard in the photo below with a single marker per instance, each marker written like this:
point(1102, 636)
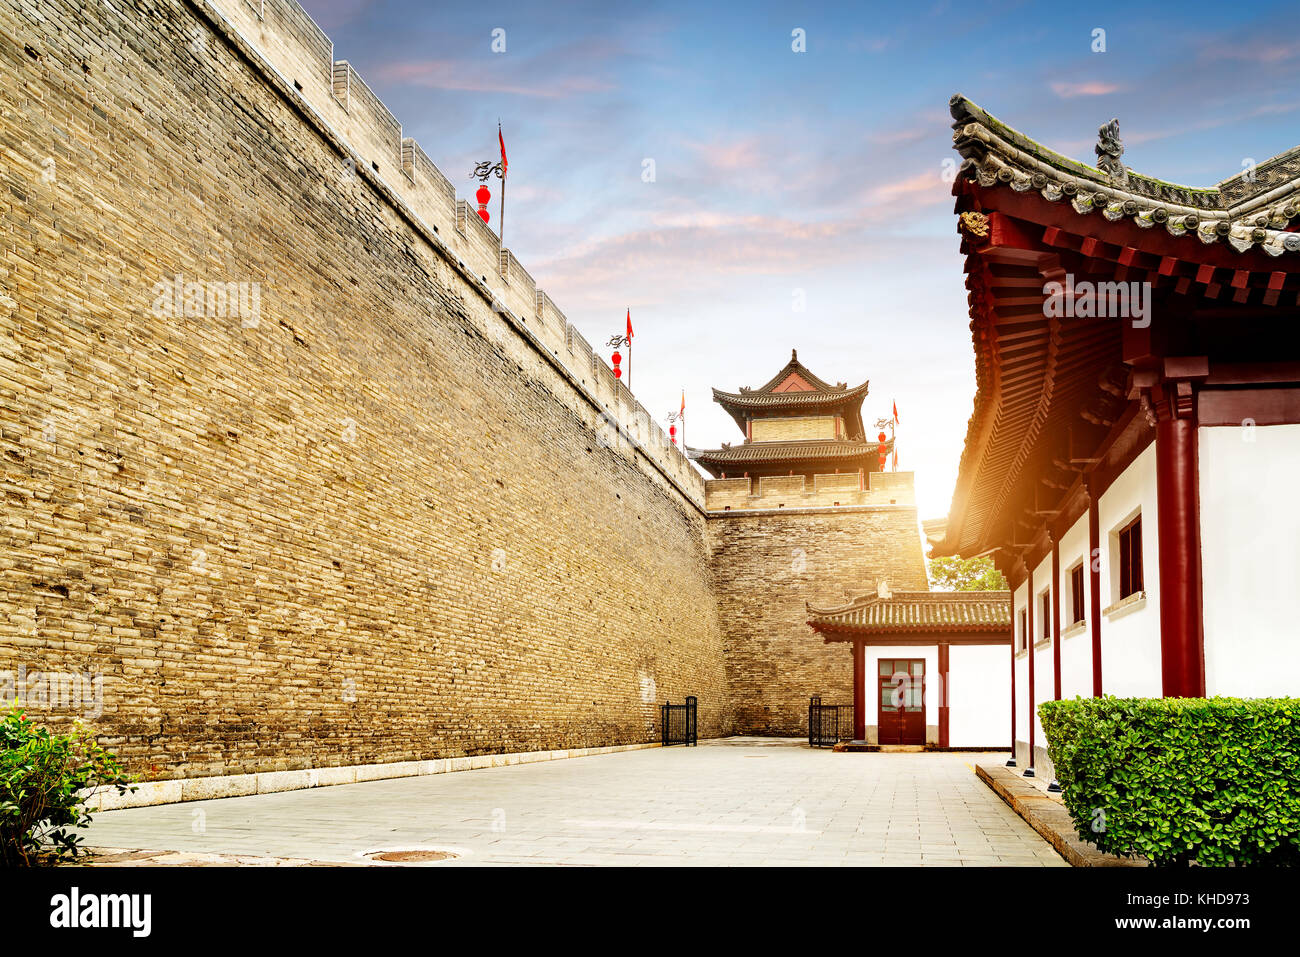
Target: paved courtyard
point(736, 801)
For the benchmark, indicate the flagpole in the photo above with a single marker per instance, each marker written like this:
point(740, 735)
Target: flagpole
point(505, 170)
point(629, 352)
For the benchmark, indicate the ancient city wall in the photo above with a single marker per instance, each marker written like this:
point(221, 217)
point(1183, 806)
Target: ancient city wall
point(768, 563)
point(295, 455)
point(799, 491)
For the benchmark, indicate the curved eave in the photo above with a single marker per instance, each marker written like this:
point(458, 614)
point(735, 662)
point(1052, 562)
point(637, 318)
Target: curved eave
point(1258, 212)
point(762, 452)
point(739, 405)
point(767, 400)
point(849, 632)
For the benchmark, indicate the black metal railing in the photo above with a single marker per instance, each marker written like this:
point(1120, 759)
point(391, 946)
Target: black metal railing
point(679, 723)
point(828, 724)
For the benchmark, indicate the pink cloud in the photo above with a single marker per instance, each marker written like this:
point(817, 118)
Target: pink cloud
point(1094, 88)
point(1260, 50)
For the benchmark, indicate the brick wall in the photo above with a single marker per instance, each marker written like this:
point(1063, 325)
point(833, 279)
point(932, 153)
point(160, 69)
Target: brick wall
point(373, 521)
point(766, 566)
point(793, 427)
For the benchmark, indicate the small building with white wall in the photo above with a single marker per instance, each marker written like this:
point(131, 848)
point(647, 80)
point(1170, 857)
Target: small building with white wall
point(929, 668)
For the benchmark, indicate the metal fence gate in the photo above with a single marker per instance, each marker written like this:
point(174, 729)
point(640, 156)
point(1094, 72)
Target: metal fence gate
point(678, 722)
point(828, 724)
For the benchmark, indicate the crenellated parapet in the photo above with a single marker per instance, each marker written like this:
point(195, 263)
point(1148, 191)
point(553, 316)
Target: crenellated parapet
point(835, 490)
point(291, 47)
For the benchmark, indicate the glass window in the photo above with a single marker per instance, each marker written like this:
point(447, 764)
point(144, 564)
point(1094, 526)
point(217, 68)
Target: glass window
point(1076, 593)
point(1130, 558)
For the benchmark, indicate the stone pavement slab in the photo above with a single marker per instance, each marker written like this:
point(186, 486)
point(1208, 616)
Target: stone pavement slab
point(709, 805)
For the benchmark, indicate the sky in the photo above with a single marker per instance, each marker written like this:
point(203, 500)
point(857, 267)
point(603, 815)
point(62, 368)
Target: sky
point(799, 197)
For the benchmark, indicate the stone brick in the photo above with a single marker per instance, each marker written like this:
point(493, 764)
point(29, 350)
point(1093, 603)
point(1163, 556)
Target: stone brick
point(372, 526)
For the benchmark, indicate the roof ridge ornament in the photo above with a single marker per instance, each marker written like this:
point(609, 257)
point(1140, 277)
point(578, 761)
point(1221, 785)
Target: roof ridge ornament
point(1109, 149)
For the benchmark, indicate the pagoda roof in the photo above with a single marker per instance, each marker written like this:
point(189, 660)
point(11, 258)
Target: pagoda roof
point(928, 612)
point(1253, 209)
point(812, 394)
point(791, 451)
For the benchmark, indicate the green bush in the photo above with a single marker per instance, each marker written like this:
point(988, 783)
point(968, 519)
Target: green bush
point(1215, 781)
point(42, 776)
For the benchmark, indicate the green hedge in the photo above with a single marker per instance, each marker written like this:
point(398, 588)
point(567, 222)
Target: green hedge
point(1214, 781)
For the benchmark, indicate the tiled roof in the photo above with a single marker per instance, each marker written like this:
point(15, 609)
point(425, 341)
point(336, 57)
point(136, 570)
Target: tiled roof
point(795, 367)
point(787, 451)
point(914, 612)
point(773, 399)
point(822, 395)
point(1255, 208)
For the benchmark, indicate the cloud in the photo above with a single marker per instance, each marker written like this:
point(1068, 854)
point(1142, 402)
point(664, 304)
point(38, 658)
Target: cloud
point(1093, 88)
point(1255, 50)
point(472, 76)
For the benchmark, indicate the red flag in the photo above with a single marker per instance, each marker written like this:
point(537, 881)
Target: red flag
point(502, 140)
point(895, 413)
point(895, 457)
point(683, 411)
point(629, 323)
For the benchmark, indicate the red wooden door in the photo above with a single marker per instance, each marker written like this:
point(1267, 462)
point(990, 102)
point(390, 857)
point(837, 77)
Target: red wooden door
point(902, 701)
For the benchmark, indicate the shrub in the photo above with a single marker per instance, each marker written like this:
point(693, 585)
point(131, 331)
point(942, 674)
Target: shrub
point(42, 776)
point(1214, 781)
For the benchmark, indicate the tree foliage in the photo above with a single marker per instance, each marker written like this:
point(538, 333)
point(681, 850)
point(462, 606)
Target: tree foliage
point(43, 781)
point(965, 574)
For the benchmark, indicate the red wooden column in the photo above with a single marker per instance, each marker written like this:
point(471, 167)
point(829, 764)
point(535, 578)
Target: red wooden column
point(1056, 619)
point(943, 694)
point(1094, 589)
point(1182, 644)
point(1011, 763)
point(1029, 650)
point(859, 691)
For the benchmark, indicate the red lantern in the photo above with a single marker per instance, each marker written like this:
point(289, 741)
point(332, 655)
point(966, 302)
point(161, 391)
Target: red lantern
point(880, 449)
point(483, 195)
point(672, 433)
point(616, 359)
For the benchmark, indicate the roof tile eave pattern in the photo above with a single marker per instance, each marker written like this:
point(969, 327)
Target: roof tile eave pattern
point(909, 612)
point(791, 451)
point(1246, 212)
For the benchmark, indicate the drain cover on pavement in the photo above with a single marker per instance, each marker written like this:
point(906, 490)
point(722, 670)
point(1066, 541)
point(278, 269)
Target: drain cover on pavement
point(411, 856)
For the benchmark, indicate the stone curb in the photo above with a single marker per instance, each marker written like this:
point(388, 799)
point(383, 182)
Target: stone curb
point(150, 793)
point(1048, 816)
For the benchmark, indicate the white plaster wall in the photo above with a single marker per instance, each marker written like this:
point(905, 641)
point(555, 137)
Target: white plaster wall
point(1044, 687)
point(979, 695)
point(1130, 639)
point(1250, 559)
point(1076, 650)
point(1019, 597)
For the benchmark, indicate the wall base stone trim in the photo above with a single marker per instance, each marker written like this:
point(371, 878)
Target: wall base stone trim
point(151, 793)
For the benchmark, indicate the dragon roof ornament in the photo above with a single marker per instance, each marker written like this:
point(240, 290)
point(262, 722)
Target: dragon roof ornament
point(1253, 209)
